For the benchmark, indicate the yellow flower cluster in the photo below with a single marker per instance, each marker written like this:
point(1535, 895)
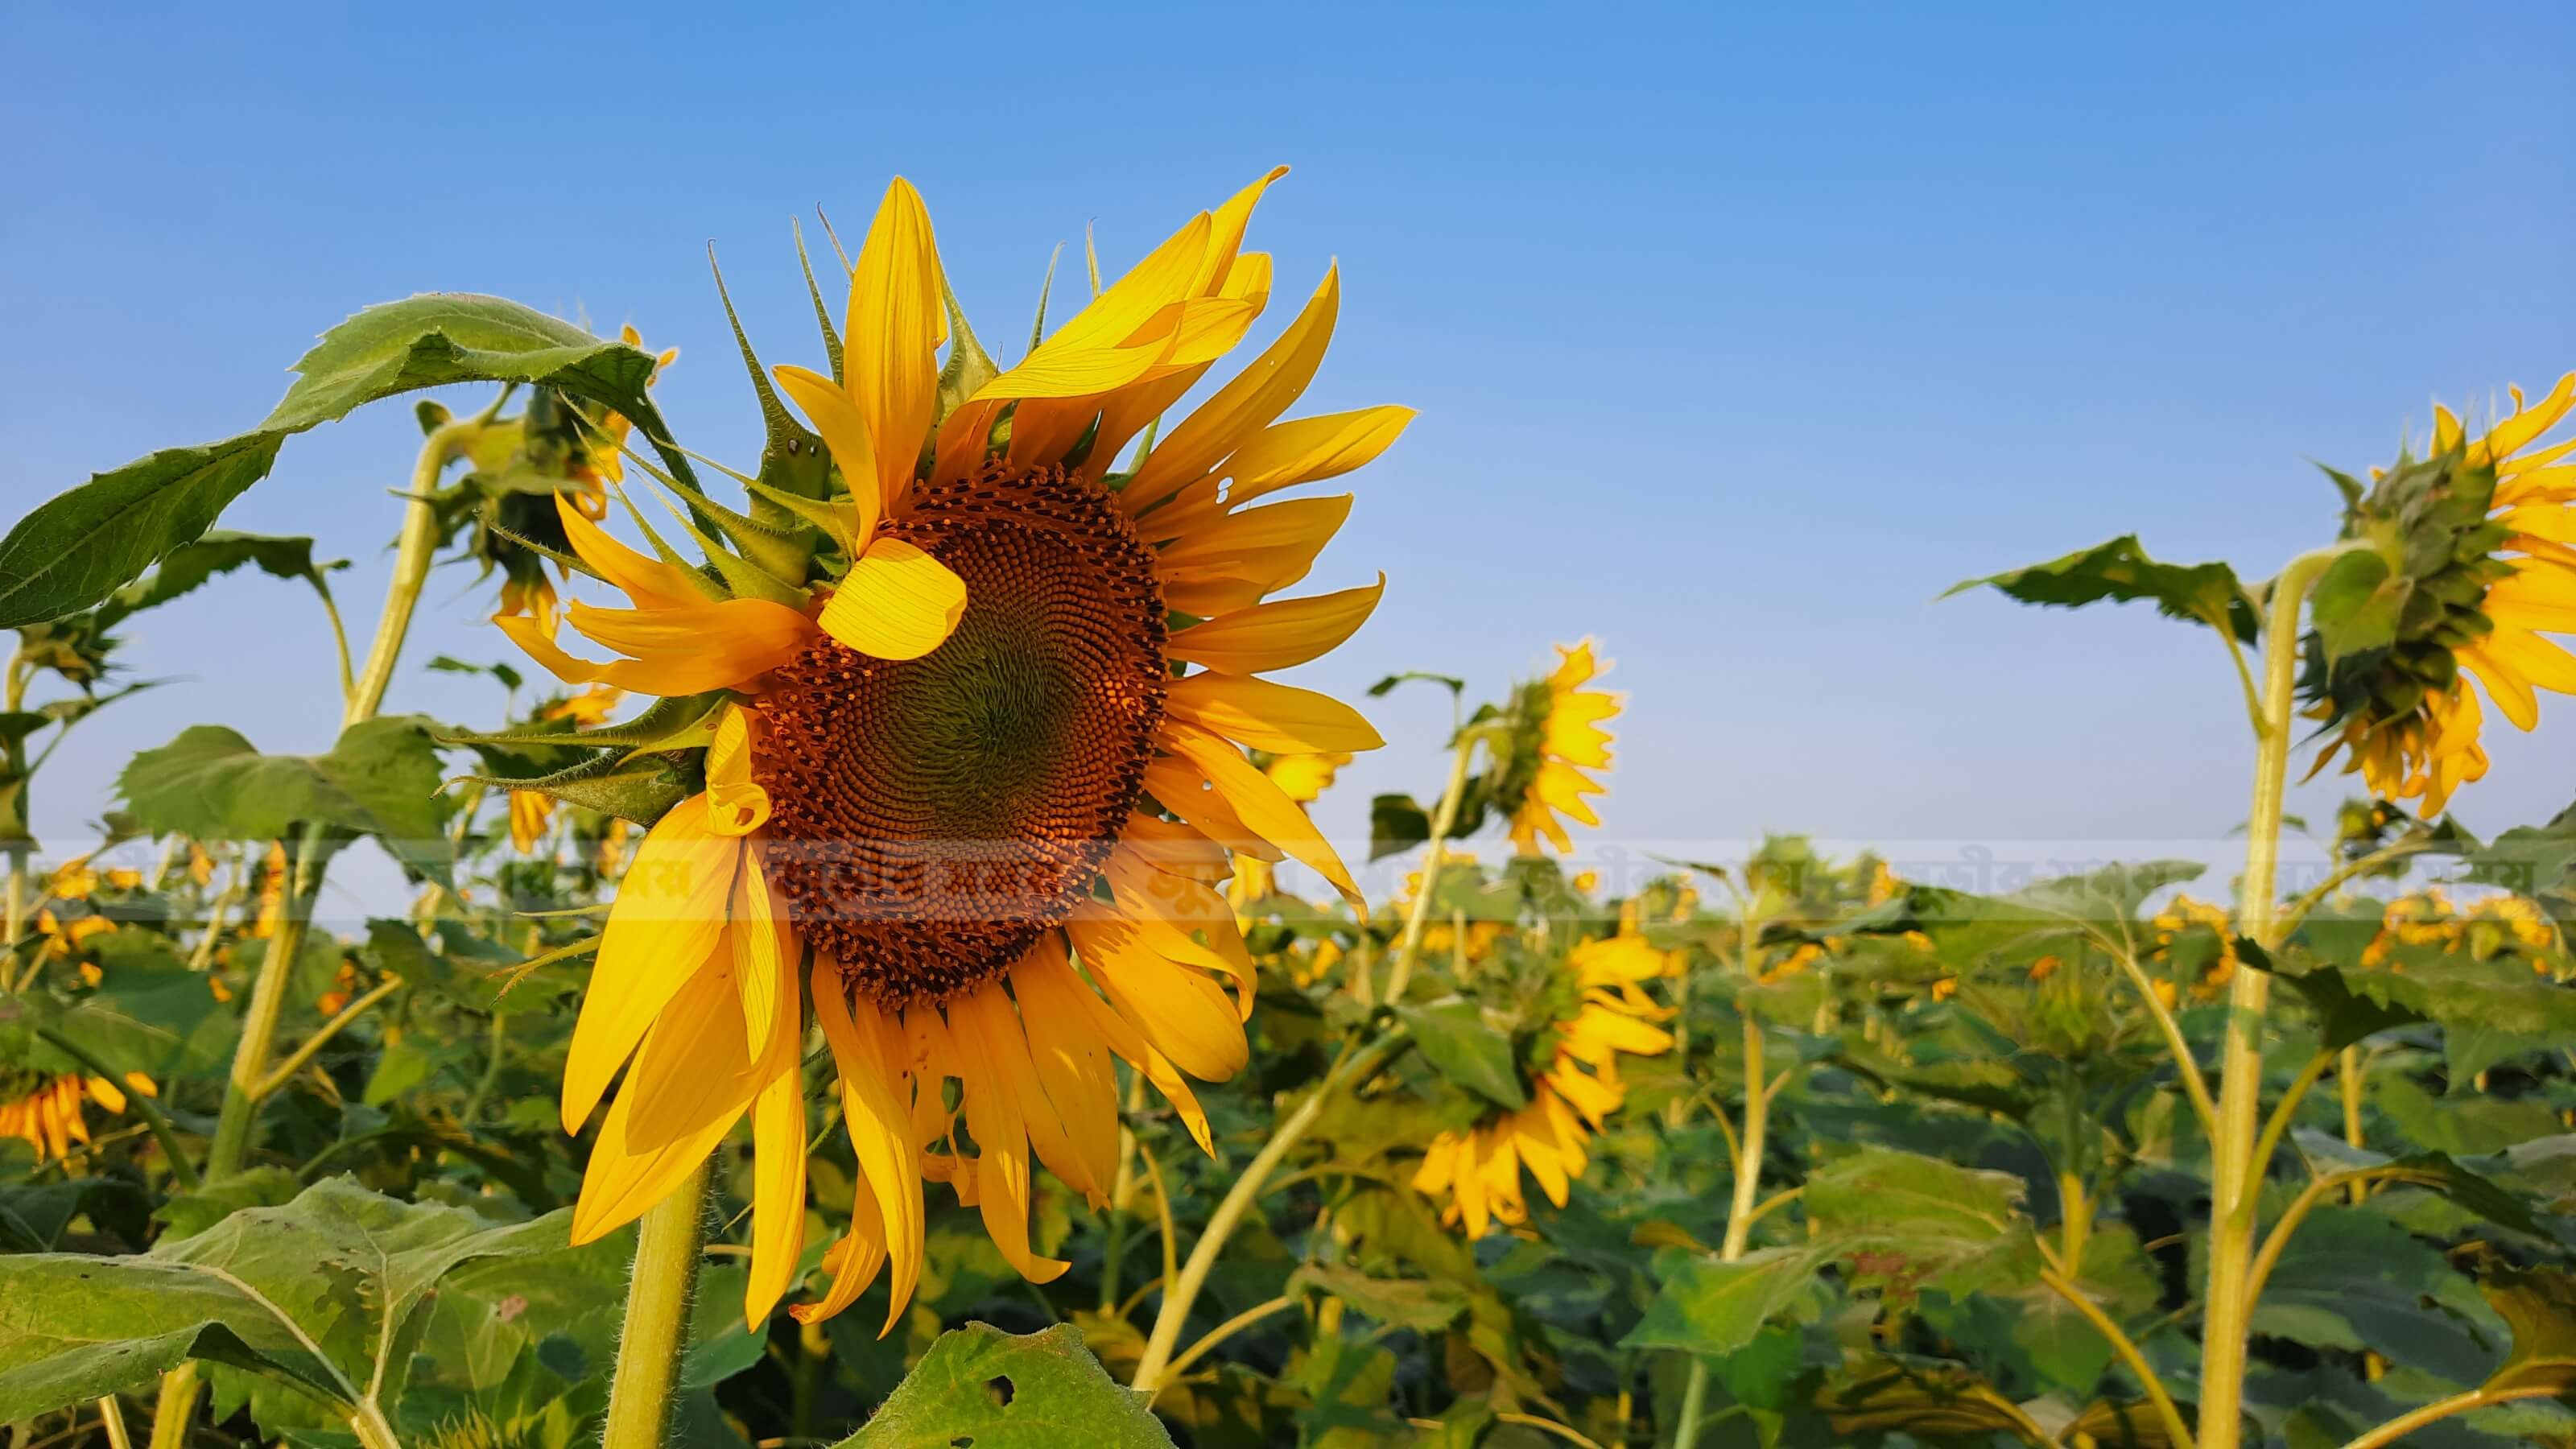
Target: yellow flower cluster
point(49, 1116)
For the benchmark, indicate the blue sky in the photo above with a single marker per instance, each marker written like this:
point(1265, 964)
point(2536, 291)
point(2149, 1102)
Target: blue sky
point(1736, 338)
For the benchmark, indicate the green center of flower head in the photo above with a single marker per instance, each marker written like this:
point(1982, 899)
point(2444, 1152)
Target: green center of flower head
point(933, 816)
point(2391, 616)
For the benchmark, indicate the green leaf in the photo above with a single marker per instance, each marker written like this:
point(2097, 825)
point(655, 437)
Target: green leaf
point(438, 338)
point(2121, 572)
point(380, 779)
point(1456, 1039)
point(2533, 860)
point(82, 544)
point(190, 565)
point(982, 1386)
point(2355, 1280)
point(78, 546)
point(1396, 825)
point(2113, 893)
point(314, 1294)
point(1705, 1306)
point(1912, 1221)
point(1418, 1303)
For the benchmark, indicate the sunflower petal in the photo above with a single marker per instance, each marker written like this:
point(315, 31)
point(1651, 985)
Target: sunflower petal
point(897, 602)
point(1261, 805)
point(890, 345)
point(1278, 635)
point(1279, 718)
point(668, 919)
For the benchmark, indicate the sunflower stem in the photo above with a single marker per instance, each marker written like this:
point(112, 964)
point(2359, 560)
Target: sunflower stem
point(1154, 1367)
point(249, 1086)
point(1446, 816)
point(667, 1251)
point(419, 540)
point(2236, 1171)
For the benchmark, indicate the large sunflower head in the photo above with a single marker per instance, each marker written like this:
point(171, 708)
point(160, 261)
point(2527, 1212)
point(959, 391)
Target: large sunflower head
point(2465, 562)
point(1556, 740)
point(1600, 1013)
point(974, 723)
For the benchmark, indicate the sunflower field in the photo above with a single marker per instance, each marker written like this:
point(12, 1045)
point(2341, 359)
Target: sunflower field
point(882, 985)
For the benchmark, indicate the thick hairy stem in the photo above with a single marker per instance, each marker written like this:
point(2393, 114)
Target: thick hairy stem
point(1153, 1369)
point(176, 1407)
point(2236, 1174)
point(1444, 817)
point(657, 1317)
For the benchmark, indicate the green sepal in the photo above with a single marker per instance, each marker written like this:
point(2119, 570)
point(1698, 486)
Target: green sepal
point(822, 314)
point(670, 724)
point(640, 787)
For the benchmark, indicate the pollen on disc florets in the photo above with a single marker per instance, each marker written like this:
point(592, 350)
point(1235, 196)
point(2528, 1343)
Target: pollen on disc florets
point(931, 817)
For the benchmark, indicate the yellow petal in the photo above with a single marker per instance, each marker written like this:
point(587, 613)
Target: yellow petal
point(778, 1159)
point(692, 1067)
point(897, 602)
point(1260, 805)
point(1072, 1061)
point(765, 953)
point(1123, 1039)
point(1243, 407)
point(622, 1181)
point(650, 582)
point(1225, 233)
point(851, 1263)
point(861, 1049)
point(993, 1114)
point(1183, 789)
point(690, 650)
point(845, 436)
point(668, 919)
point(1278, 635)
point(1309, 450)
point(1303, 524)
point(736, 804)
point(1279, 718)
point(989, 1018)
point(1179, 1011)
point(897, 320)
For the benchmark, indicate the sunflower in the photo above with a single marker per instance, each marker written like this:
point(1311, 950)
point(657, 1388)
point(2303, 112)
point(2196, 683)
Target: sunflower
point(2482, 539)
point(1557, 736)
point(2198, 939)
point(985, 765)
point(47, 1113)
point(1478, 1171)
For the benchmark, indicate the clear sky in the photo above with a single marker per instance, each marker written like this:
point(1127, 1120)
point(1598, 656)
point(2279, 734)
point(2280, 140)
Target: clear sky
point(1736, 338)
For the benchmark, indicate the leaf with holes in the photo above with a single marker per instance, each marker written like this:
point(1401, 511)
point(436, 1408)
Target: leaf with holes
point(982, 1386)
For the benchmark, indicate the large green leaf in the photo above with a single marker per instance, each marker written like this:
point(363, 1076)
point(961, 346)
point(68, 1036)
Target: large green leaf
point(81, 545)
point(2121, 572)
point(2353, 1279)
point(381, 779)
point(321, 1294)
point(1911, 1221)
point(1705, 1306)
point(982, 1386)
point(150, 1014)
point(438, 338)
point(1423, 1304)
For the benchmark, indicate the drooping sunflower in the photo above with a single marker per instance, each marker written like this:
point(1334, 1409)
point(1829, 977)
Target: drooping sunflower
point(1476, 1174)
point(1557, 737)
point(48, 1112)
point(984, 764)
point(2477, 546)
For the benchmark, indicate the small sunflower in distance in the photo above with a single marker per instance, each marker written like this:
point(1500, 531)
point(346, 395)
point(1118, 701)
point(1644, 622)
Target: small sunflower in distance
point(2469, 566)
point(984, 763)
point(1556, 737)
point(1476, 1174)
point(47, 1112)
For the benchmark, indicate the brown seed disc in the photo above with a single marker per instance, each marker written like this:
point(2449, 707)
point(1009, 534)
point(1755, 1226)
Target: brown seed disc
point(931, 817)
